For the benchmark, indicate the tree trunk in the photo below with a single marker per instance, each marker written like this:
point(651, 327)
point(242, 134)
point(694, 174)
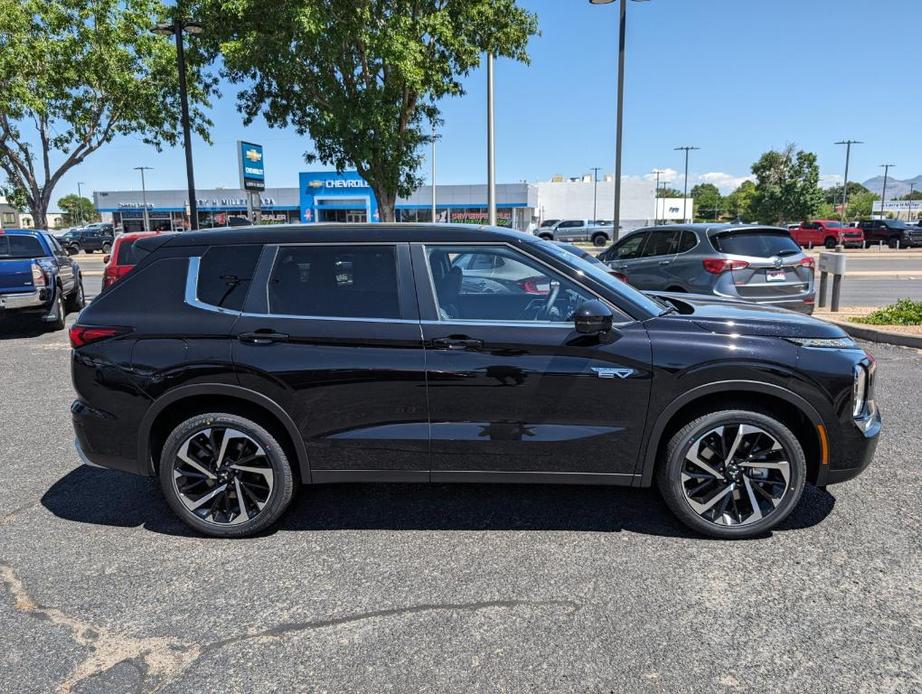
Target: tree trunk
point(39, 209)
point(387, 202)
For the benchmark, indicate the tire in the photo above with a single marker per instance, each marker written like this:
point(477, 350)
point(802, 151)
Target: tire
point(783, 484)
point(106, 247)
point(599, 240)
point(58, 314)
point(893, 242)
point(267, 483)
point(75, 247)
point(77, 299)
point(830, 242)
point(546, 237)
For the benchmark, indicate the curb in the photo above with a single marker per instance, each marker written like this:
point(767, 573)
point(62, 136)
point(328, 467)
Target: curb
point(873, 334)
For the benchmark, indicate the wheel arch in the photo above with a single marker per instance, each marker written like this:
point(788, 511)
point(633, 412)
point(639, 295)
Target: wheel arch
point(186, 401)
point(792, 409)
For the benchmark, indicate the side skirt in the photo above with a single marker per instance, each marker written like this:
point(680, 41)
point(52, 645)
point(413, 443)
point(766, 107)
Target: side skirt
point(473, 477)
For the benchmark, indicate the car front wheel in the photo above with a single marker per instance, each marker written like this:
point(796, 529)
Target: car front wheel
point(225, 476)
point(732, 474)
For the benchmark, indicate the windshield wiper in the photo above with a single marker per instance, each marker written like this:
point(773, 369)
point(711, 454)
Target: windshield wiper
point(787, 251)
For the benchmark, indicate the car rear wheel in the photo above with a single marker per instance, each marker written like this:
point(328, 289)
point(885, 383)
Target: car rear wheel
point(225, 476)
point(893, 242)
point(546, 237)
point(56, 318)
point(106, 247)
point(830, 242)
point(732, 474)
point(77, 299)
point(599, 240)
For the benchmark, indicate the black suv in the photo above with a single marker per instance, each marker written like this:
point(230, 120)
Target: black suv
point(237, 364)
point(893, 232)
point(97, 237)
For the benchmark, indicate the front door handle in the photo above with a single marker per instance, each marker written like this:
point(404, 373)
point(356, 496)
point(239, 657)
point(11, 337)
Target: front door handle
point(262, 337)
point(456, 343)
point(665, 262)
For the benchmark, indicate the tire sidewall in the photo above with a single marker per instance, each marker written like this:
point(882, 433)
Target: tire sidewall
point(282, 492)
point(669, 472)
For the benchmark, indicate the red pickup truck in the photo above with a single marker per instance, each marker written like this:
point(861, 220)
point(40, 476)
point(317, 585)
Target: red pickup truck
point(826, 232)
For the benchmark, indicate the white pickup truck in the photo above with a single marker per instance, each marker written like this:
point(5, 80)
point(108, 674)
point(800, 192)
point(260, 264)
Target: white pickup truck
point(577, 230)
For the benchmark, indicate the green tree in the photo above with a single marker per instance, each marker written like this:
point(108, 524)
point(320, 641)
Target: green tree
point(860, 206)
point(708, 201)
point(361, 78)
point(833, 195)
point(739, 202)
point(74, 74)
point(915, 195)
point(787, 185)
point(76, 209)
point(669, 193)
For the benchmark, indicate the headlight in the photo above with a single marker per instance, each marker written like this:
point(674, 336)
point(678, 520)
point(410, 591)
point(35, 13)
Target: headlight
point(859, 391)
point(824, 343)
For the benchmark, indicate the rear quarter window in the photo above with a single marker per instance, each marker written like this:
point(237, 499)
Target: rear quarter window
point(757, 243)
point(130, 253)
point(14, 247)
point(225, 274)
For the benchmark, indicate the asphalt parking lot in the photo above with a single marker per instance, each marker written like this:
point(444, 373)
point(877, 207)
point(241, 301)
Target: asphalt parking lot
point(446, 588)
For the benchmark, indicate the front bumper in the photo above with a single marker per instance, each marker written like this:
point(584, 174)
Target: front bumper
point(37, 299)
point(856, 452)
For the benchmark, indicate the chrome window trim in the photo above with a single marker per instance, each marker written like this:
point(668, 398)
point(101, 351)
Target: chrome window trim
point(435, 297)
point(191, 297)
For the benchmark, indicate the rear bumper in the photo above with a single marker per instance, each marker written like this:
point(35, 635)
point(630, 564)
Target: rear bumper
point(100, 439)
point(37, 299)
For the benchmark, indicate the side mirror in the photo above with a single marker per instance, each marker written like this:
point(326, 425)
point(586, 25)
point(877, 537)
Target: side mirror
point(106, 258)
point(593, 318)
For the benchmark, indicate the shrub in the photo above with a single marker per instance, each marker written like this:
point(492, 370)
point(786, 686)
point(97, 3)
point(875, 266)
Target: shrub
point(903, 312)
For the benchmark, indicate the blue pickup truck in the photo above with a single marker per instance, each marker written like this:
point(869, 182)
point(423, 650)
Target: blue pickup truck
point(37, 277)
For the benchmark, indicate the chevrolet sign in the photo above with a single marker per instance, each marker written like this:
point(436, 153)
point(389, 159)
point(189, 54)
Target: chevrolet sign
point(251, 166)
point(338, 183)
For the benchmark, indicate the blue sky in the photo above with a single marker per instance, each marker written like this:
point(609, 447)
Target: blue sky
point(734, 77)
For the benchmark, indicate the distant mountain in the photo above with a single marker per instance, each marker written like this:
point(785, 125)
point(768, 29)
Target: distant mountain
point(896, 187)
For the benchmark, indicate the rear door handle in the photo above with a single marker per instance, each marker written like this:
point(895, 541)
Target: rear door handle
point(456, 343)
point(665, 262)
point(262, 337)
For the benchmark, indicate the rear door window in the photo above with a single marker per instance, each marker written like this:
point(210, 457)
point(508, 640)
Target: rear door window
point(758, 243)
point(335, 281)
point(225, 274)
point(662, 243)
point(14, 247)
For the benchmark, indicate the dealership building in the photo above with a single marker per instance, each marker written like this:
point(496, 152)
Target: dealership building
point(328, 196)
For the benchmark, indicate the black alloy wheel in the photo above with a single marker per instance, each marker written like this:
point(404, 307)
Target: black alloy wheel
point(225, 475)
point(732, 474)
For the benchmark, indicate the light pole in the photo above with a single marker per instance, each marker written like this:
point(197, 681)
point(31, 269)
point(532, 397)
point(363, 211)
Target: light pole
point(80, 185)
point(176, 29)
point(883, 194)
point(142, 169)
point(658, 173)
point(491, 153)
point(912, 188)
point(433, 174)
point(848, 154)
point(686, 149)
point(595, 191)
point(619, 118)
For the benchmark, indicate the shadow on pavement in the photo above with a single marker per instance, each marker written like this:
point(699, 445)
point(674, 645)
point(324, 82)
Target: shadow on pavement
point(19, 328)
point(103, 497)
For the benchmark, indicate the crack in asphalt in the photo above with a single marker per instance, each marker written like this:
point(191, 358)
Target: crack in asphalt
point(166, 658)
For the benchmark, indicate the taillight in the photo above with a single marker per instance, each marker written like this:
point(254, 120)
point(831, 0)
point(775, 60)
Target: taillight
point(620, 275)
point(535, 285)
point(718, 265)
point(808, 262)
point(81, 335)
point(38, 276)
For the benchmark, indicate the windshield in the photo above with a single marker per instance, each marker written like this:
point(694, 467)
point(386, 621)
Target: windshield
point(897, 224)
point(20, 247)
point(600, 275)
point(758, 243)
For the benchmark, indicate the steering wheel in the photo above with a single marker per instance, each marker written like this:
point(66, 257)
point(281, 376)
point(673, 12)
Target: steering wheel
point(551, 300)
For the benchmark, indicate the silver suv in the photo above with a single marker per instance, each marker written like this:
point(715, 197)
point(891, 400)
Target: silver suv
point(762, 265)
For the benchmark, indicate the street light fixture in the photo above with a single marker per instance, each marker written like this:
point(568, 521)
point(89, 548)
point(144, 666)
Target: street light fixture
point(616, 220)
point(491, 147)
point(176, 29)
point(883, 194)
point(686, 149)
point(595, 192)
point(142, 169)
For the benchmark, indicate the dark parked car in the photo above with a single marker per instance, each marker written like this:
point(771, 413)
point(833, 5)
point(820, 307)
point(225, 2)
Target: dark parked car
point(38, 277)
point(92, 238)
point(893, 232)
point(762, 265)
point(237, 364)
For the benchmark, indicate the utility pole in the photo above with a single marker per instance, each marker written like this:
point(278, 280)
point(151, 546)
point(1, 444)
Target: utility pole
point(883, 195)
point(595, 191)
point(142, 169)
point(491, 152)
point(79, 205)
point(658, 173)
point(686, 149)
point(912, 188)
point(848, 153)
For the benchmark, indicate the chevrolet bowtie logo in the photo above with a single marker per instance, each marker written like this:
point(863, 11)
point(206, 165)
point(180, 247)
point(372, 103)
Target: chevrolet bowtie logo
point(253, 155)
point(315, 184)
